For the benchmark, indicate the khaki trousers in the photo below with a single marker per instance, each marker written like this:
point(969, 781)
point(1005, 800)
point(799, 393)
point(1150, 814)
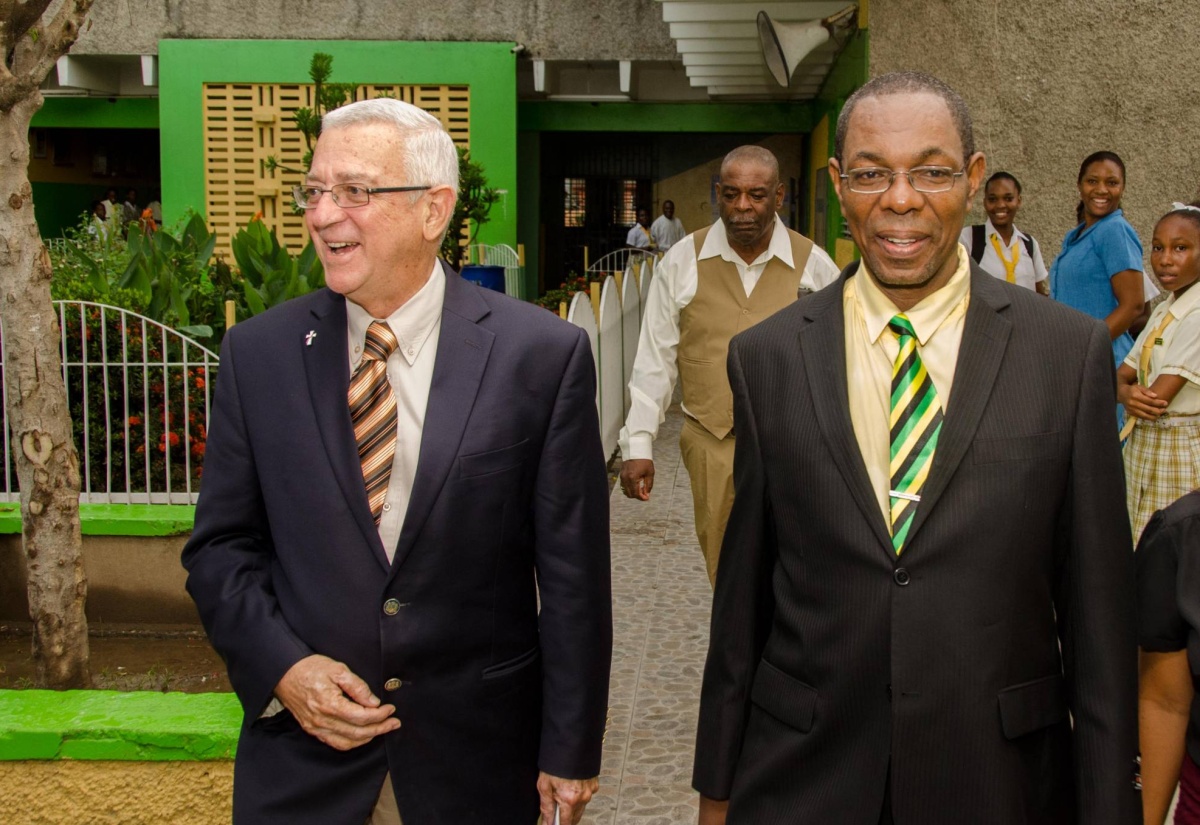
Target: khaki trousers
point(709, 462)
point(386, 812)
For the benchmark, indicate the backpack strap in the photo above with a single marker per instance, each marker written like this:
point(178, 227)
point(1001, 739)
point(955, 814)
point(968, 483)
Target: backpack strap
point(1028, 242)
point(977, 242)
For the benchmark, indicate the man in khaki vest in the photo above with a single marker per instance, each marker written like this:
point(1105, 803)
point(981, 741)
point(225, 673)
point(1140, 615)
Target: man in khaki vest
point(710, 286)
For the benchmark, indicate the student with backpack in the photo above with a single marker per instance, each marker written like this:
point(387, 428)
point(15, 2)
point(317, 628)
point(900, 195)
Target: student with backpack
point(998, 246)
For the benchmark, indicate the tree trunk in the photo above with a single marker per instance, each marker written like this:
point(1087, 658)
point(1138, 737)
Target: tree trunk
point(44, 450)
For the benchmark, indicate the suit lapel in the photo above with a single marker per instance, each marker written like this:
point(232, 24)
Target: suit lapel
point(327, 364)
point(984, 340)
point(462, 353)
point(823, 344)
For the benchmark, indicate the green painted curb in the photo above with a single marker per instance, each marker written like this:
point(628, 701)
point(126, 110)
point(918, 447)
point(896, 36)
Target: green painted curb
point(112, 726)
point(116, 519)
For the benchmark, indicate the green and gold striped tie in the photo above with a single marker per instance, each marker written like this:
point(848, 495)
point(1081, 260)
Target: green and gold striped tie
point(915, 422)
point(373, 413)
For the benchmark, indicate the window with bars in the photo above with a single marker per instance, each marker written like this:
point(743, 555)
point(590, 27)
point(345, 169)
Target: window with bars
point(575, 203)
point(625, 204)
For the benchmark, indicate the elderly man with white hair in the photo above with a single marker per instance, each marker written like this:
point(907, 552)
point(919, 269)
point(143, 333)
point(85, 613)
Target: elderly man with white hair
point(398, 467)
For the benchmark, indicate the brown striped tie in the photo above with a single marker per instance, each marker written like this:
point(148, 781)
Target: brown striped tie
point(373, 413)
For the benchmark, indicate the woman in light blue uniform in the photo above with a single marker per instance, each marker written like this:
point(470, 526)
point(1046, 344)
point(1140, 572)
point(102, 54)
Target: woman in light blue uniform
point(1099, 270)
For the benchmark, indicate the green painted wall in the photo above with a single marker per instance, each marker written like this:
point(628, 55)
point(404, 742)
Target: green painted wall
point(849, 72)
point(58, 206)
point(116, 519)
point(106, 725)
point(556, 116)
point(98, 113)
point(488, 68)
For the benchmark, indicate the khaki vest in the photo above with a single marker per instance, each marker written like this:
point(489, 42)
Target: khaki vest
point(719, 311)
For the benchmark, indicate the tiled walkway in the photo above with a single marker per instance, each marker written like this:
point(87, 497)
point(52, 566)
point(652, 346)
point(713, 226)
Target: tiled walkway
point(661, 601)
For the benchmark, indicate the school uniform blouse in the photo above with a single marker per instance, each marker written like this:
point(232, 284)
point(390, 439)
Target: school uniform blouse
point(1081, 276)
point(1179, 352)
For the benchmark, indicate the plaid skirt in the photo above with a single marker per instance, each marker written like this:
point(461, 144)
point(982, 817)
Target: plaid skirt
point(1162, 463)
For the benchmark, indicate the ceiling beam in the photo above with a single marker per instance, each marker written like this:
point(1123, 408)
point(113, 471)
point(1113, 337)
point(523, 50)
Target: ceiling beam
point(693, 12)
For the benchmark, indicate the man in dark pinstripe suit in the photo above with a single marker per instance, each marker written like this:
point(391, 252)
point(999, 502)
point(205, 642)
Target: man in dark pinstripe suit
point(925, 612)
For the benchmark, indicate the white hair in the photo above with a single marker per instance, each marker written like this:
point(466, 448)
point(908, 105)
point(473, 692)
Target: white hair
point(429, 155)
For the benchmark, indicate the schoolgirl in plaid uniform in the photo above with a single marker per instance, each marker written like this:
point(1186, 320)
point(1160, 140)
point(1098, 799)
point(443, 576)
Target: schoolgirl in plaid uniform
point(1159, 381)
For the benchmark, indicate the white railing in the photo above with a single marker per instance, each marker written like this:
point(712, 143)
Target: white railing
point(139, 395)
point(501, 255)
point(619, 260)
point(613, 325)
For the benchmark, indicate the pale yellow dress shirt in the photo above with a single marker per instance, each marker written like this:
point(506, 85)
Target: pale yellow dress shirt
point(871, 349)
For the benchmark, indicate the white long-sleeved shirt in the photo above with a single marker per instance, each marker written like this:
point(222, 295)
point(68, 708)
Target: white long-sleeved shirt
point(673, 287)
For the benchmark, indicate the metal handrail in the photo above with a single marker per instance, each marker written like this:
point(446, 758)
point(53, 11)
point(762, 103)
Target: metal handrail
point(142, 387)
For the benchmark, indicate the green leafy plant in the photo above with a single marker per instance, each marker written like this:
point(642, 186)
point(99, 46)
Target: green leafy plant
point(172, 272)
point(475, 201)
point(565, 292)
point(270, 274)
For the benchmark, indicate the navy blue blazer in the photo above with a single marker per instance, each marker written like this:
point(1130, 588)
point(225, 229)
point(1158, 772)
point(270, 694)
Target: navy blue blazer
point(509, 503)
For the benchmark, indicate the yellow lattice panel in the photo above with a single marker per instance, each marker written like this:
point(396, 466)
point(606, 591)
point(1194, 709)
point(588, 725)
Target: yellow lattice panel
point(247, 123)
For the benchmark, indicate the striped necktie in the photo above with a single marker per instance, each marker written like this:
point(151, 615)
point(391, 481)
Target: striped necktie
point(915, 422)
point(373, 413)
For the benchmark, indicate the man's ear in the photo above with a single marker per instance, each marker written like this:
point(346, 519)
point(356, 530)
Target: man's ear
point(779, 196)
point(976, 171)
point(439, 210)
point(835, 177)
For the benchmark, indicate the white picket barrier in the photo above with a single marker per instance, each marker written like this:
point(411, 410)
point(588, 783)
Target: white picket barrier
point(614, 339)
point(581, 315)
point(631, 327)
point(610, 369)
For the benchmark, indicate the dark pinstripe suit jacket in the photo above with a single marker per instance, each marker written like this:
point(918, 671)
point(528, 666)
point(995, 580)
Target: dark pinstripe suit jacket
point(956, 669)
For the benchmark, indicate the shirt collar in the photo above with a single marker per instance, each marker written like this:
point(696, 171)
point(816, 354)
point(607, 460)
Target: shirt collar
point(927, 316)
point(1181, 306)
point(1080, 231)
point(991, 230)
point(716, 244)
point(411, 323)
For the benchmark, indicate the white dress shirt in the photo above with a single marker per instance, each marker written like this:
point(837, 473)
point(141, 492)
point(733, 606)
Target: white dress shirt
point(638, 237)
point(673, 287)
point(1029, 271)
point(666, 232)
point(416, 325)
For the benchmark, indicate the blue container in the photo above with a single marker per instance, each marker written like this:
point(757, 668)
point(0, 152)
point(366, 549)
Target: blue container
point(488, 277)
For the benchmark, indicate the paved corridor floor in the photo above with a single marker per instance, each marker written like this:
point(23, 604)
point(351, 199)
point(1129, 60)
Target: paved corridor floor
point(661, 602)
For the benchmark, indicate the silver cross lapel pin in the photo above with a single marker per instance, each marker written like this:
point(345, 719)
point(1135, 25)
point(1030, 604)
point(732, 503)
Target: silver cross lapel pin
point(308, 339)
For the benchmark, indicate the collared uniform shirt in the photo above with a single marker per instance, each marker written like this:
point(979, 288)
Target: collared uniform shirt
point(1179, 352)
point(666, 233)
point(1030, 270)
point(674, 285)
point(638, 237)
point(871, 350)
point(417, 325)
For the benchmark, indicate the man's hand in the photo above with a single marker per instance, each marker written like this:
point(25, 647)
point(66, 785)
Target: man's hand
point(333, 704)
point(637, 478)
point(1141, 402)
point(712, 811)
point(570, 795)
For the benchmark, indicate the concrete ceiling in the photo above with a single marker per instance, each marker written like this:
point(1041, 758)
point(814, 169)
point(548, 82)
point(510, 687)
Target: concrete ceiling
point(718, 41)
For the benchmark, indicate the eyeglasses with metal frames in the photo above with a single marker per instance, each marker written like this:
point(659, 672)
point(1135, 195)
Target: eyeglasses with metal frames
point(346, 195)
point(874, 180)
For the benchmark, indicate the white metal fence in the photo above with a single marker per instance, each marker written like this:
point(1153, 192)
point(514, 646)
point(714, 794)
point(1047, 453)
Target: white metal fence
point(139, 395)
point(613, 324)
